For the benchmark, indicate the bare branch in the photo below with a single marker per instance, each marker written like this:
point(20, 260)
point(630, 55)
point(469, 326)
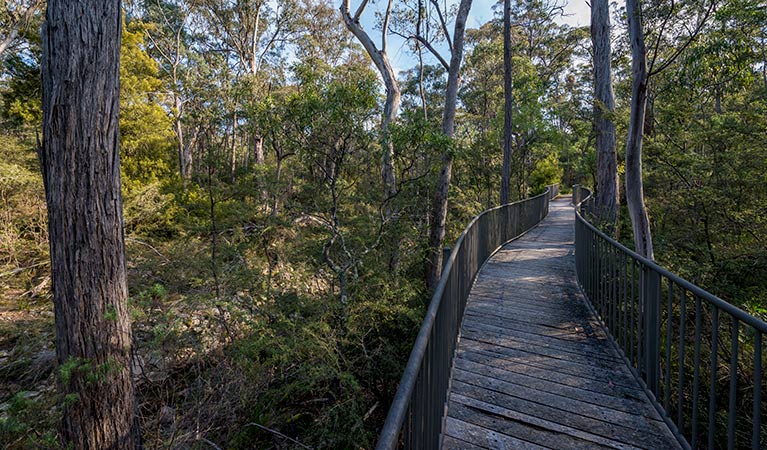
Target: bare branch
point(433, 51)
point(443, 24)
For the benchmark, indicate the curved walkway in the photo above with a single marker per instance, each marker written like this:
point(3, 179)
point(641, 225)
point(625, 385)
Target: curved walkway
point(534, 369)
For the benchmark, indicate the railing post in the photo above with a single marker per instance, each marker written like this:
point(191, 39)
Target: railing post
point(651, 294)
point(445, 256)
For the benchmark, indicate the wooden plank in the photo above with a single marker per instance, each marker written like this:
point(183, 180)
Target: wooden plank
point(593, 348)
point(643, 433)
point(565, 333)
point(486, 438)
point(555, 400)
point(540, 423)
point(618, 375)
point(605, 386)
point(453, 443)
point(532, 347)
point(610, 398)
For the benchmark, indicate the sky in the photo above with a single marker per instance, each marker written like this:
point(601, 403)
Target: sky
point(577, 13)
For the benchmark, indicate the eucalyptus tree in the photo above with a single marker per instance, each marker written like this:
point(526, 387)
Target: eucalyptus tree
point(607, 197)
point(80, 161)
point(252, 32)
point(378, 54)
point(169, 39)
point(663, 15)
point(455, 44)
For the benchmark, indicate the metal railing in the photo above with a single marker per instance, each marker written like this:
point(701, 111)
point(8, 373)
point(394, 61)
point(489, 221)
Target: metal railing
point(415, 417)
point(553, 190)
point(699, 357)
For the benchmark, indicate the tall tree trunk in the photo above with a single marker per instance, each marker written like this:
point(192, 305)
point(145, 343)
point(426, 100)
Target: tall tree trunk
point(764, 58)
point(439, 215)
point(634, 186)
point(233, 162)
point(184, 148)
point(81, 169)
point(508, 104)
point(258, 148)
point(607, 197)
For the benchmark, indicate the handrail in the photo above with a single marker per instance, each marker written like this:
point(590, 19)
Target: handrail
point(627, 291)
point(415, 416)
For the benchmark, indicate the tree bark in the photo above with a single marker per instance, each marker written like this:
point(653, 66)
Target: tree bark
point(508, 104)
point(439, 215)
point(81, 170)
point(258, 148)
point(607, 195)
point(640, 221)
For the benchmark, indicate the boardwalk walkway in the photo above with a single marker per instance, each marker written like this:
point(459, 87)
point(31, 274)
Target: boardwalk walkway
point(534, 369)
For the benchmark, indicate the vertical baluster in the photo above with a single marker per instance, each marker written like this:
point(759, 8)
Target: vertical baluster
point(641, 324)
point(756, 417)
point(651, 317)
point(731, 413)
point(624, 307)
point(712, 388)
point(680, 375)
point(669, 337)
point(632, 335)
point(600, 261)
point(614, 290)
point(696, 373)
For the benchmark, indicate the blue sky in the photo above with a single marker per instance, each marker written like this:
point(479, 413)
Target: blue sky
point(577, 13)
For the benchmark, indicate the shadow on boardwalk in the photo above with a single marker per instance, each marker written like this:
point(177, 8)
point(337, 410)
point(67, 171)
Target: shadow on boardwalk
point(534, 369)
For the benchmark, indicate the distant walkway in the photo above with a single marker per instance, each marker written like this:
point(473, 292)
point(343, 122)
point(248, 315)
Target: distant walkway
point(534, 369)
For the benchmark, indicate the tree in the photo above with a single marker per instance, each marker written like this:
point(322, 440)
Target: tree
point(508, 131)
point(381, 60)
point(168, 38)
point(697, 13)
point(439, 210)
point(640, 220)
point(81, 171)
point(607, 197)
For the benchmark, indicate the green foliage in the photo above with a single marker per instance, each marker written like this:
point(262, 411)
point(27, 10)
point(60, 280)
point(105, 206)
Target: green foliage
point(546, 172)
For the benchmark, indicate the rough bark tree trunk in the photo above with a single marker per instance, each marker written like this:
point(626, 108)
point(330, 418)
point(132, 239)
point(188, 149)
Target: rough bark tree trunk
point(439, 215)
point(607, 196)
point(508, 104)
point(640, 221)
point(81, 170)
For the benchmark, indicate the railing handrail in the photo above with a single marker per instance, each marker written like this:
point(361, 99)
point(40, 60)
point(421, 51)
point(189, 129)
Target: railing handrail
point(631, 309)
point(389, 436)
point(733, 310)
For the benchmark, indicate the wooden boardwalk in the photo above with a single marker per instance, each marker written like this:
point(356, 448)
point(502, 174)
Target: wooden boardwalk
point(534, 369)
